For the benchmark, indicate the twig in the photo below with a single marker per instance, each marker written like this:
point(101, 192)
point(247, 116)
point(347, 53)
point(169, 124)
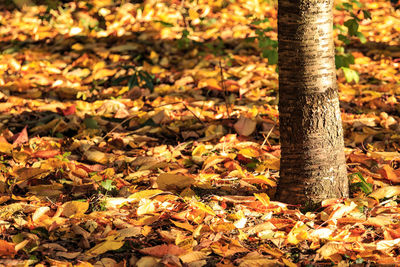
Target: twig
point(224, 89)
point(266, 138)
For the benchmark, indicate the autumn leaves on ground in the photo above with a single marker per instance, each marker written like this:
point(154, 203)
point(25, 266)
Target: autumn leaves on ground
point(147, 133)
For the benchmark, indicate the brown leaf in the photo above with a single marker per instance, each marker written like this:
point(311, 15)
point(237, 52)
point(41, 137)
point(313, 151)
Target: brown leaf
point(245, 126)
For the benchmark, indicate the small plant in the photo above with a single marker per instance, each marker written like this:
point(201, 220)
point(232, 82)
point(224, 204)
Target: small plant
point(268, 47)
point(348, 30)
point(63, 157)
point(184, 41)
point(138, 78)
point(108, 185)
point(361, 184)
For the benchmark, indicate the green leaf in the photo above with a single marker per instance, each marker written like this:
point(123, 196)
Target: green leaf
point(347, 6)
point(344, 39)
point(352, 26)
point(272, 56)
point(362, 38)
point(91, 123)
point(107, 185)
point(133, 81)
point(147, 78)
point(339, 7)
point(340, 49)
point(358, 3)
point(258, 21)
point(343, 60)
point(166, 24)
point(363, 184)
point(367, 14)
point(359, 261)
point(350, 75)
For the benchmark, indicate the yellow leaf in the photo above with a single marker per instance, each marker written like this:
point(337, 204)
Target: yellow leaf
point(193, 256)
point(298, 233)
point(146, 206)
point(109, 244)
point(74, 208)
point(104, 73)
point(249, 152)
point(193, 14)
point(213, 131)
point(288, 262)
point(77, 47)
point(185, 225)
point(83, 264)
point(210, 83)
point(263, 198)
point(266, 180)
point(167, 181)
point(198, 151)
point(144, 194)
point(24, 173)
point(204, 208)
point(387, 191)
point(39, 213)
point(273, 164)
point(97, 156)
point(5, 148)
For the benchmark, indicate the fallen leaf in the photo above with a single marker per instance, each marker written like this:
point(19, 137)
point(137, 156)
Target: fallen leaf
point(167, 181)
point(109, 244)
point(7, 249)
point(385, 192)
point(163, 250)
point(72, 208)
point(245, 126)
point(21, 138)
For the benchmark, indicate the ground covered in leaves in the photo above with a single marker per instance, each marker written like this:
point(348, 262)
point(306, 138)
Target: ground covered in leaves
point(147, 134)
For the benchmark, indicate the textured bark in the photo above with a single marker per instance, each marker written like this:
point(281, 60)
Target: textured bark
point(312, 160)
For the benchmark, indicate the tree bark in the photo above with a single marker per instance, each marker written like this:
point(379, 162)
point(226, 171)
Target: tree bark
point(312, 161)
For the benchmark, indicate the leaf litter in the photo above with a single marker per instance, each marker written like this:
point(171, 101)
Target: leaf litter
point(147, 134)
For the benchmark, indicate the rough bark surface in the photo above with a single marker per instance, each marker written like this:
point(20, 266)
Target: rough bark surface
point(312, 160)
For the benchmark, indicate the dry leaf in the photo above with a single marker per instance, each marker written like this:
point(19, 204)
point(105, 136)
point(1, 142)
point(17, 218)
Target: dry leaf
point(245, 126)
point(163, 250)
point(167, 181)
point(72, 208)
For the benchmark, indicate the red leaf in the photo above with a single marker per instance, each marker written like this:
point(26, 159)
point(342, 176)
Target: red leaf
point(67, 111)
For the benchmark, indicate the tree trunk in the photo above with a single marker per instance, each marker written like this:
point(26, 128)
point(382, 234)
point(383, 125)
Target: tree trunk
point(312, 161)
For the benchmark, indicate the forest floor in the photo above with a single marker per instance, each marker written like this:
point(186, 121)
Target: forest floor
point(148, 134)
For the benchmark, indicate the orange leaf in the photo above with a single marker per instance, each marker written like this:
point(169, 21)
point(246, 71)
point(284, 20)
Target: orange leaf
point(162, 250)
point(46, 154)
point(390, 174)
point(7, 248)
